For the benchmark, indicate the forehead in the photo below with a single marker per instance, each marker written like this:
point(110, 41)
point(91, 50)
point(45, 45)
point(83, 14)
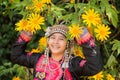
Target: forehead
point(58, 35)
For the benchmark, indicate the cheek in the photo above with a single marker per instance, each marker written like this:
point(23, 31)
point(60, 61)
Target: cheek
point(64, 45)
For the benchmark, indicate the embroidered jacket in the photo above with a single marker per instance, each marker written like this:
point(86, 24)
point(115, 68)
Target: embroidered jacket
point(53, 71)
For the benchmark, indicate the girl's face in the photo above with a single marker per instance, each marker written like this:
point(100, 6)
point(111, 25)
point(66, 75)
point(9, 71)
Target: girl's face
point(57, 43)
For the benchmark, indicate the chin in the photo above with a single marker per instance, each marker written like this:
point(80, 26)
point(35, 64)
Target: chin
point(55, 52)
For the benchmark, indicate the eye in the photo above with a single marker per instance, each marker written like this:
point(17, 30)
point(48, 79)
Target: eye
point(52, 37)
point(62, 38)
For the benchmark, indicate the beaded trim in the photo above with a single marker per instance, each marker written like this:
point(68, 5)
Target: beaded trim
point(59, 31)
point(57, 28)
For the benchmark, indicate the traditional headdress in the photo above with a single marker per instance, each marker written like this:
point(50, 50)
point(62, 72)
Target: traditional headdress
point(57, 29)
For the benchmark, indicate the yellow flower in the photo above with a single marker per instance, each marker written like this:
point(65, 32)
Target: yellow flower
point(78, 52)
point(38, 5)
point(91, 17)
point(102, 32)
point(43, 41)
point(98, 76)
point(35, 21)
point(72, 1)
point(46, 1)
point(37, 50)
point(109, 77)
point(90, 29)
point(75, 31)
point(16, 78)
point(41, 45)
point(22, 25)
point(113, 7)
point(41, 48)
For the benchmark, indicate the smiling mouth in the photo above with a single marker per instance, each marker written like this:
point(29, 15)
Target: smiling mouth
point(55, 47)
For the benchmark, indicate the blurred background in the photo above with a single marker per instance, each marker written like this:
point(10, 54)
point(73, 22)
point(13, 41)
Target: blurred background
point(12, 11)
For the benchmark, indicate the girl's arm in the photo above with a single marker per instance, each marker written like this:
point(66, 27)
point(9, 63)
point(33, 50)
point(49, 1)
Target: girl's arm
point(19, 55)
point(92, 64)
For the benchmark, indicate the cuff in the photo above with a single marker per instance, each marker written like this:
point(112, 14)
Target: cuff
point(24, 37)
point(82, 63)
point(84, 39)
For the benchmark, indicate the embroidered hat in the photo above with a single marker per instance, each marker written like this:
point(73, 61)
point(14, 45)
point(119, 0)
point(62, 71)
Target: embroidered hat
point(57, 29)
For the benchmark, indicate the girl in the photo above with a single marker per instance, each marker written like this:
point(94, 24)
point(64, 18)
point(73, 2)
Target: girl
point(58, 61)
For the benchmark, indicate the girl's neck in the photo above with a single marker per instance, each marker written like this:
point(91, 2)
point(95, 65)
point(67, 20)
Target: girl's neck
point(57, 57)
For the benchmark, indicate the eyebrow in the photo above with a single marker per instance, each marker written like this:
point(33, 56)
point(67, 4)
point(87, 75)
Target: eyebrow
point(60, 36)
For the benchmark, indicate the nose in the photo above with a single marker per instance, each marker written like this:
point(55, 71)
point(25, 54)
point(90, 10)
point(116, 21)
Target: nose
point(56, 41)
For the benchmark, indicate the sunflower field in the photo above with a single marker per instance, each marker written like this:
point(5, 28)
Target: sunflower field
point(100, 17)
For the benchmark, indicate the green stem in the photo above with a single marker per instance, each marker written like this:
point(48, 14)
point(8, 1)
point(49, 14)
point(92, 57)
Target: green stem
point(107, 54)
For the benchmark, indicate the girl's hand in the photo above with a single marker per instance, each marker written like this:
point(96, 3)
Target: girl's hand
point(26, 36)
point(86, 37)
point(27, 33)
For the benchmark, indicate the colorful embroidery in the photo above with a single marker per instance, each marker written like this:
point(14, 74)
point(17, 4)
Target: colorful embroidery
point(52, 70)
point(84, 39)
point(25, 37)
point(67, 74)
point(82, 63)
point(51, 74)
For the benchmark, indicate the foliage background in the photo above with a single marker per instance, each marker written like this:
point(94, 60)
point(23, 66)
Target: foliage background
point(10, 14)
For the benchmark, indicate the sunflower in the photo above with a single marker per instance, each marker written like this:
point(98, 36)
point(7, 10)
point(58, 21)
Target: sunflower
point(46, 1)
point(72, 1)
point(41, 48)
point(22, 25)
point(102, 32)
point(43, 41)
point(98, 76)
point(91, 17)
point(16, 78)
point(78, 52)
point(35, 21)
point(37, 50)
point(109, 77)
point(38, 5)
point(75, 31)
point(90, 29)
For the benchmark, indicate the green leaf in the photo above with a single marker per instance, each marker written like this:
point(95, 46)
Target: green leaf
point(81, 7)
point(50, 19)
point(112, 15)
point(20, 71)
point(75, 18)
point(103, 5)
point(57, 11)
point(110, 12)
point(67, 17)
point(92, 2)
point(69, 5)
point(111, 61)
point(16, 0)
point(116, 46)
